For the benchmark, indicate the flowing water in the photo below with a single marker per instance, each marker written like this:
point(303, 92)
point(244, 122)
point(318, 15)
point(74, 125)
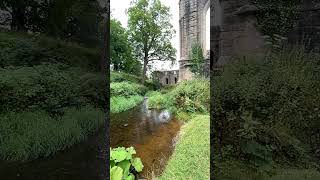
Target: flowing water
point(152, 133)
point(84, 161)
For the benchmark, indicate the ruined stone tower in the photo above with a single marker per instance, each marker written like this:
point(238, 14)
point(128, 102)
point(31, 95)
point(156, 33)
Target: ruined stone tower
point(232, 30)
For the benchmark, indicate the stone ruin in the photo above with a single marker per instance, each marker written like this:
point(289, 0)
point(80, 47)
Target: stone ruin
point(233, 30)
point(167, 77)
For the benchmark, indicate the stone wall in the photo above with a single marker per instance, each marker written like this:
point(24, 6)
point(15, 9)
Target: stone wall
point(167, 78)
point(232, 28)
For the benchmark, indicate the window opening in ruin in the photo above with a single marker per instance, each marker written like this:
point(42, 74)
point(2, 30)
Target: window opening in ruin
point(175, 80)
point(167, 80)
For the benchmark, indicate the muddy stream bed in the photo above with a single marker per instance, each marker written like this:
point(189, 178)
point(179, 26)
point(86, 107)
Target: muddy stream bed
point(151, 132)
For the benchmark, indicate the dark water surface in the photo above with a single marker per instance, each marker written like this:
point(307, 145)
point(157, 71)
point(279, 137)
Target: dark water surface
point(84, 161)
point(152, 133)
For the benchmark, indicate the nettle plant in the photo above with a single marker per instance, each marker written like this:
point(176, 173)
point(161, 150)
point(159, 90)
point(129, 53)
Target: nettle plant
point(123, 165)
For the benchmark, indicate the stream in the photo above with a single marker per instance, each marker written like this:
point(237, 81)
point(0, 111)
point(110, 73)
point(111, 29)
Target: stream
point(151, 132)
point(83, 161)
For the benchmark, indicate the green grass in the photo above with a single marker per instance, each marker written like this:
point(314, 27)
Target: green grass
point(126, 89)
point(191, 158)
point(237, 170)
point(121, 104)
point(30, 135)
point(121, 77)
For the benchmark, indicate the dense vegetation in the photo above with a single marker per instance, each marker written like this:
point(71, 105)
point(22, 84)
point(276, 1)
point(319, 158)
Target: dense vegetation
point(188, 97)
point(126, 92)
point(51, 92)
point(266, 116)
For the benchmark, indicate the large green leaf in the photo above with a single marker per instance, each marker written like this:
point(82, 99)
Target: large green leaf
point(118, 154)
point(131, 150)
point(116, 173)
point(137, 164)
point(130, 177)
point(125, 165)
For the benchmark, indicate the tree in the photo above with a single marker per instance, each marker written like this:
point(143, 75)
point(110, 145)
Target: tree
point(150, 32)
point(26, 14)
point(197, 59)
point(121, 50)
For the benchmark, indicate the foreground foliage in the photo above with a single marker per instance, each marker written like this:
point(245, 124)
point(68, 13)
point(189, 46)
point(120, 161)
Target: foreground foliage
point(123, 165)
point(266, 111)
point(51, 95)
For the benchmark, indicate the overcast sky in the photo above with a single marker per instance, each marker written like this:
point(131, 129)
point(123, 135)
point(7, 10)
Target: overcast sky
point(118, 11)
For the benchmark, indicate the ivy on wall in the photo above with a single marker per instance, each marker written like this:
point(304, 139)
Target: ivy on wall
point(277, 16)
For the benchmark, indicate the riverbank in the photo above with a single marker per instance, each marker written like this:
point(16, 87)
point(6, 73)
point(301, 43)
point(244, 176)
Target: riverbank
point(189, 101)
point(191, 157)
point(52, 95)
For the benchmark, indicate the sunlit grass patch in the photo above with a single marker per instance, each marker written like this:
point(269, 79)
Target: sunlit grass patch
point(121, 103)
point(191, 158)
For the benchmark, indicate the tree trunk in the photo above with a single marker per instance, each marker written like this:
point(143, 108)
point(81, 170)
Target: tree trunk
point(144, 72)
point(18, 19)
point(105, 49)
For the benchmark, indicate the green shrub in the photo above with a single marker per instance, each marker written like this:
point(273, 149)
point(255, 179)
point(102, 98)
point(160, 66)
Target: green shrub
point(30, 135)
point(126, 89)
point(122, 77)
point(49, 87)
point(28, 50)
point(122, 163)
point(192, 96)
point(157, 100)
point(270, 102)
point(121, 104)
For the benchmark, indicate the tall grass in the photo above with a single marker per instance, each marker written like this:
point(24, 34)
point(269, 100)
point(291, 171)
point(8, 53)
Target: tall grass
point(30, 135)
point(121, 103)
point(189, 96)
point(191, 158)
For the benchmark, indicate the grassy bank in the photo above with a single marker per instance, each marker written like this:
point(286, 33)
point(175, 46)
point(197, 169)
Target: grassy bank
point(187, 101)
point(191, 157)
point(30, 135)
point(125, 91)
point(51, 95)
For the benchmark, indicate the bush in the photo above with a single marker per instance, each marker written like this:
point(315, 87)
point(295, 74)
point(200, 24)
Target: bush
point(189, 96)
point(30, 135)
point(157, 100)
point(126, 89)
point(29, 50)
point(122, 77)
point(121, 104)
point(192, 96)
point(267, 109)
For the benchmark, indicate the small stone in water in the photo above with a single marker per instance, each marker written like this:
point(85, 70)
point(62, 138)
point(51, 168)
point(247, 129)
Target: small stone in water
point(125, 125)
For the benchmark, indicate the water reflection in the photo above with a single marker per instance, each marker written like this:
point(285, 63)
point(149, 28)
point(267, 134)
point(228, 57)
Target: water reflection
point(150, 131)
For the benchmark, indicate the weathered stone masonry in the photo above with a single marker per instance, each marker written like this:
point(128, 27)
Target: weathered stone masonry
point(167, 78)
point(232, 28)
